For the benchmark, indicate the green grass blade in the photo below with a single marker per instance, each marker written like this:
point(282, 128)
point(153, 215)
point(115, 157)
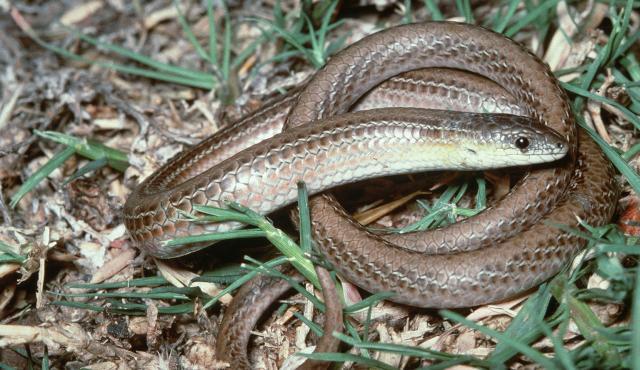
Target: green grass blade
point(530, 17)
point(216, 214)
point(615, 248)
point(89, 148)
point(8, 254)
point(407, 16)
point(561, 353)
point(619, 32)
point(502, 338)
point(226, 48)
point(481, 195)
point(80, 305)
point(436, 14)
point(213, 34)
point(140, 282)
point(214, 237)
point(189, 33)
point(206, 83)
point(316, 48)
point(464, 9)
point(635, 323)
point(305, 219)
point(142, 59)
point(368, 302)
point(626, 44)
point(240, 281)
point(89, 167)
point(406, 350)
point(261, 268)
point(629, 173)
point(591, 328)
point(223, 274)
point(250, 50)
point(324, 27)
point(501, 21)
point(284, 243)
point(525, 326)
point(41, 174)
point(346, 357)
point(127, 295)
point(315, 328)
point(633, 118)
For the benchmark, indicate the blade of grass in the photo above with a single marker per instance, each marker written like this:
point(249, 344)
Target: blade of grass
point(240, 281)
point(464, 8)
point(315, 328)
point(282, 241)
point(305, 219)
point(629, 173)
point(250, 50)
point(635, 323)
point(119, 308)
point(324, 26)
point(521, 347)
point(633, 118)
point(213, 34)
point(9, 254)
point(619, 31)
point(142, 59)
point(590, 327)
point(530, 17)
point(160, 76)
point(89, 148)
point(189, 33)
point(292, 282)
point(407, 16)
point(80, 305)
point(125, 295)
point(89, 167)
point(525, 326)
point(140, 282)
point(225, 274)
point(500, 21)
point(408, 351)
point(226, 48)
point(436, 14)
point(45, 359)
point(213, 237)
point(347, 357)
point(41, 174)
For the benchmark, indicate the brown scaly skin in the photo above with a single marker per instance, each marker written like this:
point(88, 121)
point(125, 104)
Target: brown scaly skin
point(514, 262)
point(254, 298)
point(475, 277)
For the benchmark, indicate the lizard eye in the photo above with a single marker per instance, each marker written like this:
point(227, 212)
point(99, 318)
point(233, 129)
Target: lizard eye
point(522, 142)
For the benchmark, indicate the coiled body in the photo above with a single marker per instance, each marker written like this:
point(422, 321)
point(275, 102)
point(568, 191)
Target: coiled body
point(510, 247)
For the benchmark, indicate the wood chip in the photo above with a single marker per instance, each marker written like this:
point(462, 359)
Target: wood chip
point(80, 12)
point(115, 265)
point(180, 277)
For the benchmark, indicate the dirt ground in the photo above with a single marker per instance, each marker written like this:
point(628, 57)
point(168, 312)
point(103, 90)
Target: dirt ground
point(67, 232)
